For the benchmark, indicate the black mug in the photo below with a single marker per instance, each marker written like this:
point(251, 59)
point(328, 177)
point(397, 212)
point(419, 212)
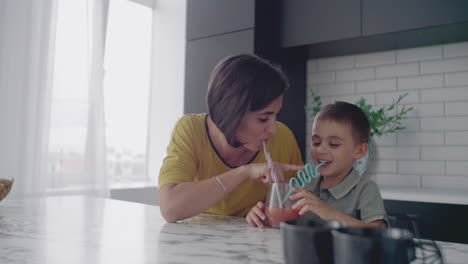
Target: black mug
point(308, 241)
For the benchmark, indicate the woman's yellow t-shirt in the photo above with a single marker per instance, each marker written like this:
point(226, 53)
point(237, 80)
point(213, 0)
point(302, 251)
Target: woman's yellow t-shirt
point(191, 157)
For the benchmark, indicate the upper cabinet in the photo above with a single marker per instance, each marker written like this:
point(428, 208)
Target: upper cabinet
point(315, 21)
point(383, 16)
point(206, 18)
point(304, 22)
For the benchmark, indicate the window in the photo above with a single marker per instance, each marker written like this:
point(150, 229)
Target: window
point(126, 90)
point(127, 65)
point(69, 97)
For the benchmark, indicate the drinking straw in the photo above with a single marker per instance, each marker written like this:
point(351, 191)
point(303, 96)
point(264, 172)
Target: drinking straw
point(303, 177)
point(273, 173)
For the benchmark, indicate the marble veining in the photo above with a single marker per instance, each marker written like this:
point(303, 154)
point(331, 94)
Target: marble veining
point(77, 229)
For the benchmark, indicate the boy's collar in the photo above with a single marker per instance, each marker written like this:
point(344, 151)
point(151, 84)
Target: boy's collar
point(343, 187)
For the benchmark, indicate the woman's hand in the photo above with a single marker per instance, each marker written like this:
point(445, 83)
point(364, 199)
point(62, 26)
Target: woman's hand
point(256, 216)
point(261, 172)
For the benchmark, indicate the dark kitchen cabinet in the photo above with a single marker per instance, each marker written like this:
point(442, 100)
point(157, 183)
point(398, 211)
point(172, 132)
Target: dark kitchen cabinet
point(436, 221)
point(206, 18)
point(383, 16)
point(314, 21)
point(310, 22)
point(201, 57)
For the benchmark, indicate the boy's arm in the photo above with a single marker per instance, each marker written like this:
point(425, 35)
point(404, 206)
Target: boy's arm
point(306, 201)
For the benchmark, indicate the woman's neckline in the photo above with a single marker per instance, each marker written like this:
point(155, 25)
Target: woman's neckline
point(216, 150)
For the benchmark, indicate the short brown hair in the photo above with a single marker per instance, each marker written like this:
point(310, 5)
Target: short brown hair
point(347, 113)
point(241, 84)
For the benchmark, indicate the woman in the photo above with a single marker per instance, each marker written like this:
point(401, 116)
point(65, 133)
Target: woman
point(215, 163)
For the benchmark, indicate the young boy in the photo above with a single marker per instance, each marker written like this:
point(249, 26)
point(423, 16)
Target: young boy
point(339, 137)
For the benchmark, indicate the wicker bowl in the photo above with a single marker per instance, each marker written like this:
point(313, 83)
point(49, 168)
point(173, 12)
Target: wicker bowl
point(5, 187)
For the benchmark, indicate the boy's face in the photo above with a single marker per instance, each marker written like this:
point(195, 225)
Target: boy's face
point(333, 143)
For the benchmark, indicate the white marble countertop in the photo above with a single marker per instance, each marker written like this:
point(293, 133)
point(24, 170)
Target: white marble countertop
point(425, 195)
point(78, 229)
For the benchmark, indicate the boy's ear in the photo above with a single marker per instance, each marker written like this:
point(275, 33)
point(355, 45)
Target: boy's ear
point(361, 150)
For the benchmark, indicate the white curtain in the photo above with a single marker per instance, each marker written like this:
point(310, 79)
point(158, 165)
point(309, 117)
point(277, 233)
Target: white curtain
point(26, 48)
point(27, 45)
point(95, 150)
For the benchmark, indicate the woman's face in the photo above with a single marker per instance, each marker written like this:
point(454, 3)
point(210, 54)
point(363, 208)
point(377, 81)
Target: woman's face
point(258, 126)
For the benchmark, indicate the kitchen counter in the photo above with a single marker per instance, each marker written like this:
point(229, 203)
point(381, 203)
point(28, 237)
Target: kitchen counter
point(77, 229)
point(425, 195)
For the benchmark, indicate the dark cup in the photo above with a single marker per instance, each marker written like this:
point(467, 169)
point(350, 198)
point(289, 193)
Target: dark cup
point(373, 245)
point(308, 241)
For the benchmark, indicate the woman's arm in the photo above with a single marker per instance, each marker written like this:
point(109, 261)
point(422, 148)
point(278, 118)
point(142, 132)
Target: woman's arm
point(187, 199)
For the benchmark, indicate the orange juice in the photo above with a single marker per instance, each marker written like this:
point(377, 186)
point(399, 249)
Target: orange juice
point(274, 216)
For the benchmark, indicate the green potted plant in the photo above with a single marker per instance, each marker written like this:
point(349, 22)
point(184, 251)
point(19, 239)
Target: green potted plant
point(383, 121)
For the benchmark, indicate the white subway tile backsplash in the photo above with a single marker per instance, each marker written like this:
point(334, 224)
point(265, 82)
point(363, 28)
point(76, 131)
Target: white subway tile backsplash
point(444, 153)
point(457, 108)
point(432, 151)
point(394, 180)
point(321, 77)
point(312, 66)
point(376, 86)
point(456, 50)
point(389, 98)
point(425, 110)
point(421, 138)
point(456, 79)
point(444, 123)
point(370, 98)
point(328, 100)
point(385, 140)
point(445, 182)
point(457, 138)
point(419, 54)
point(447, 65)
point(384, 166)
point(336, 63)
point(374, 59)
point(407, 69)
point(343, 88)
point(457, 168)
point(411, 124)
point(422, 168)
point(398, 153)
point(445, 94)
point(421, 82)
point(355, 75)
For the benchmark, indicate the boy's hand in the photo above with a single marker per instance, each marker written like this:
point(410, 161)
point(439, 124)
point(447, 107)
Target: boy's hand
point(255, 217)
point(306, 201)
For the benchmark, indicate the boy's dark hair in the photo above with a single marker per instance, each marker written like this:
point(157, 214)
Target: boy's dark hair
point(241, 84)
point(347, 113)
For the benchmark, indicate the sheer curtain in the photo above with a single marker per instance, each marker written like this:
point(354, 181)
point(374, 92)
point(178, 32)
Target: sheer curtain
point(27, 32)
point(29, 65)
point(77, 159)
point(95, 149)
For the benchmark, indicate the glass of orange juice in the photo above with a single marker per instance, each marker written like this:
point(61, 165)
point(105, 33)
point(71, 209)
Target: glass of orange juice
point(278, 206)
